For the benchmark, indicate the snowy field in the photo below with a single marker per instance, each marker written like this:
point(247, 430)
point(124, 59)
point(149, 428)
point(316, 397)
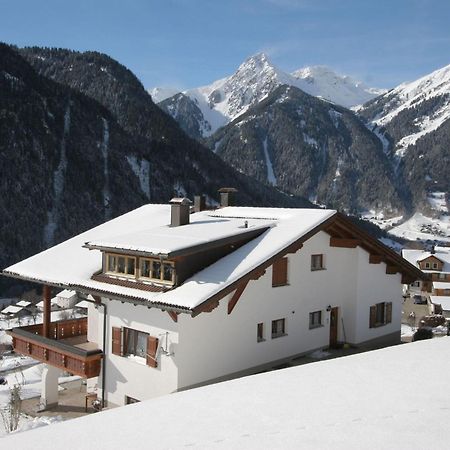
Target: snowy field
point(371, 400)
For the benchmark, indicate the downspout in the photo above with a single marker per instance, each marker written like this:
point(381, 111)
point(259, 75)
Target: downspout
point(99, 303)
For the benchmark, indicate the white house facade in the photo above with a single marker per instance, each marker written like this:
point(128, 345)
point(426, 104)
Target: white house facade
point(180, 300)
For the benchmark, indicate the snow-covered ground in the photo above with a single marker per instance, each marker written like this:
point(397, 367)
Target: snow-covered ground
point(372, 400)
point(420, 227)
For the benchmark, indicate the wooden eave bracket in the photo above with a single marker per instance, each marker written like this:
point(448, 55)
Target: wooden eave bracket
point(344, 242)
point(173, 315)
point(391, 270)
point(375, 259)
point(236, 296)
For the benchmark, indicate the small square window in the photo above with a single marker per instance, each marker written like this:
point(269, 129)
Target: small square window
point(260, 332)
point(317, 262)
point(278, 328)
point(315, 319)
point(427, 265)
point(112, 262)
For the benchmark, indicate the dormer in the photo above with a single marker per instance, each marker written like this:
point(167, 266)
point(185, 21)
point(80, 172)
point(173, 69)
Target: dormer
point(431, 263)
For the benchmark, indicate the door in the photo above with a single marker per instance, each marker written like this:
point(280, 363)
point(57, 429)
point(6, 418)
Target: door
point(334, 326)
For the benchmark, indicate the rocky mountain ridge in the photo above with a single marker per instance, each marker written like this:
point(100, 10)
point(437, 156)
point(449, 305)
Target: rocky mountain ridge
point(223, 100)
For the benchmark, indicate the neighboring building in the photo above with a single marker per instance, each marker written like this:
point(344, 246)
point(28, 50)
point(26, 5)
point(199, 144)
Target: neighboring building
point(182, 299)
point(435, 264)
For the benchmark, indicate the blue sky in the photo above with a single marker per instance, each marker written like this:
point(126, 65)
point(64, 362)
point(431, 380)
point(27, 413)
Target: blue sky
point(187, 43)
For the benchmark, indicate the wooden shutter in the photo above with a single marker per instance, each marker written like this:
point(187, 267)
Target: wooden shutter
point(279, 272)
point(373, 316)
point(152, 347)
point(388, 307)
point(117, 341)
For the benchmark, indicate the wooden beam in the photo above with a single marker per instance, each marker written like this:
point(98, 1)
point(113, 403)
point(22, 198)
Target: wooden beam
point(173, 315)
point(236, 296)
point(375, 259)
point(344, 242)
point(391, 270)
point(407, 279)
point(46, 294)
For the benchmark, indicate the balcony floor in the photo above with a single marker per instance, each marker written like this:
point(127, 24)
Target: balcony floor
point(80, 342)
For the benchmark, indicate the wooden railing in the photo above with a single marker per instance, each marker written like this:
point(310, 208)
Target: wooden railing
point(29, 341)
point(61, 329)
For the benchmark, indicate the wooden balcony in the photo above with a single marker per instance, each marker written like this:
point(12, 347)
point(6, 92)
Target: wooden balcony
point(67, 347)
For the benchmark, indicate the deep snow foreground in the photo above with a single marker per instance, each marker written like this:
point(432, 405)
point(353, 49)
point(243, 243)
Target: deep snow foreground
point(372, 400)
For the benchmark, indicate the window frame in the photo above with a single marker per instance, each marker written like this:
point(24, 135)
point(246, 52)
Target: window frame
point(321, 259)
point(282, 331)
point(382, 310)
point(260, 332)
point(161, 276)
point(116, 265)
point(126, 337)
point(312, 319)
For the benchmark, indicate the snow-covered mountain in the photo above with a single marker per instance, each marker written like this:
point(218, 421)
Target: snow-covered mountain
point(161, 93)
point(228, 98)
point(426, 99)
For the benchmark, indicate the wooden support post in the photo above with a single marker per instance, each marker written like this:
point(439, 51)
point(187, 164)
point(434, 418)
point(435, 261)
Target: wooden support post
point(46, 294)
point(173, 315)
point(236, 296)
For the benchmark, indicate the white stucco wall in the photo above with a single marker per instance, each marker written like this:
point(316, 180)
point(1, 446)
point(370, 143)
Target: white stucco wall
point(375, 286)
point(215, 344)
point(128, 377)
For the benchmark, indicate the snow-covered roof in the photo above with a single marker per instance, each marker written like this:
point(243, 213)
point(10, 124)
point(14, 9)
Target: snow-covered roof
point(443, 300)
point(364, 401)
point(70, 265)
point(23, 303)
point(441, 285)
point(167, 240)
point(82, 304)
point(11, 309)
point(66, 294)
point(441, 253)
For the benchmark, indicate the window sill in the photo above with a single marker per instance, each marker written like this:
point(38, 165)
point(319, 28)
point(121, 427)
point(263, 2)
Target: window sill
point(313, 327)
point(278, 335)
point(280, 285)
point(261, 340)
point(137, 359)
point(318, 269)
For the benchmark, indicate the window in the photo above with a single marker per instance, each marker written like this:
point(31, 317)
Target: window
point(135, 342)
point(279, 272)
point(121, 264)
point(278, 328)
point(260, 332)
point(315, 319)
point(442, 276)
point(130, 342)
point(317, 262)
point(156, 270)
point(435, 266)
point(427, 265)
point(380, 314)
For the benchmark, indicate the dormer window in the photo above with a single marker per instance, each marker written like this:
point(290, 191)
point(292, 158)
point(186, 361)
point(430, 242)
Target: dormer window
point(154, 269)
point(121, 264)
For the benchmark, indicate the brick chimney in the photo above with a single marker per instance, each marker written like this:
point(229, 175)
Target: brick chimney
point(179, 213)
point(199, 203)
point(227, 195)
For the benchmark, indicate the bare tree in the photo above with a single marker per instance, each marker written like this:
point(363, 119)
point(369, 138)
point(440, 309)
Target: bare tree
point(12, 410)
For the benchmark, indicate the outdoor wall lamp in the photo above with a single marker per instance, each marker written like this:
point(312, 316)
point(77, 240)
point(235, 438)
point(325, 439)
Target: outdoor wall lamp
point(328, 308)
